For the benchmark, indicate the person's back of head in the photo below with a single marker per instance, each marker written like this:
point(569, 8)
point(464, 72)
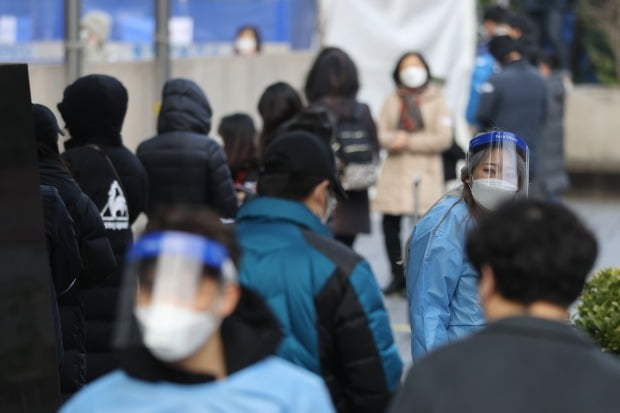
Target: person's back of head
point(530, 253)
point(504, 49)
point(299, 166)
point(184, 108)
point(315, 119)
point(333, 74)
point(239, 136)
point(279, 103)
point(94, 107)
point(46, 131)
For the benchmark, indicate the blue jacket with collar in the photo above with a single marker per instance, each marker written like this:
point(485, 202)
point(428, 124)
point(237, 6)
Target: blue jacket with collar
point(326, 299)
point(442, 285)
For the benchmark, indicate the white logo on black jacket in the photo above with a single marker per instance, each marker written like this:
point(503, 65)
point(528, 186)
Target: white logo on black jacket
point(115, 214)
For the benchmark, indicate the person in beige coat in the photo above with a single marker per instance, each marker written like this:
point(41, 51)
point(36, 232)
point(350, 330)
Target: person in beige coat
point(415, 127)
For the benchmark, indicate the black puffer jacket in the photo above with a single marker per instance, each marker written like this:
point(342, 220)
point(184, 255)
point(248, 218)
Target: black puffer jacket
point(93, 108)
point(63, 254)
point(98, 263)
point(183, 163)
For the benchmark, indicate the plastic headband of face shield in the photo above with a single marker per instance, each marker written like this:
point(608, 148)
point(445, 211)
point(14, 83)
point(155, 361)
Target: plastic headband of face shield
point(500, 138)
point(212, 254)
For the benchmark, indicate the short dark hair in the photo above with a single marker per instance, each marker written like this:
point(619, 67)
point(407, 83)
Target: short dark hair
point(333, 74)
point(294, 187)
point(539, 251)
point(396, 71)
point(195, 220)
point(496, 14)
point(238, 134)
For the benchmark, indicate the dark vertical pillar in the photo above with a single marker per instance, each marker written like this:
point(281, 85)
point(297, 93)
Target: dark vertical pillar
point(73, 47)
point(162, 43)
point(28, 366)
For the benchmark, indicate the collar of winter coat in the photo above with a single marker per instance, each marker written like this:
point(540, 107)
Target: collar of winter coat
point(538, 328)
point(184, 108)
point(279, 209)
point(76, 142)
point(249, 335)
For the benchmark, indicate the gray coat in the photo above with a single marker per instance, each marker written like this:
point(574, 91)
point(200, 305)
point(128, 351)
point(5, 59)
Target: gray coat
point(552, 168)
point(519, 364)
point(516, 100)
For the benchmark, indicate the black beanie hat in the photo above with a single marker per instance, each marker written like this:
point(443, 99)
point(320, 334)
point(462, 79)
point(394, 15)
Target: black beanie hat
point(93, 108)
point(502, 46)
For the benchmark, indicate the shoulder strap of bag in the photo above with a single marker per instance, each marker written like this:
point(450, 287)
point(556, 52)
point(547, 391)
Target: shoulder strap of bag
point(107, 158)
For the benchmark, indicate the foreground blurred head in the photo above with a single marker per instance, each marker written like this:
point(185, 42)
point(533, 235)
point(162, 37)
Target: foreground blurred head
point(533, 258)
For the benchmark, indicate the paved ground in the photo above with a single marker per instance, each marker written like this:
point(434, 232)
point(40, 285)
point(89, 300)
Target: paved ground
point(603, 216)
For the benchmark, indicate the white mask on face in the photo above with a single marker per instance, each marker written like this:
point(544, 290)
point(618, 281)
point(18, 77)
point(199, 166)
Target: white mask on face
point(330, 206)
point(413, 76)
point(174, 333)
point(490, 192)
point(246, 45)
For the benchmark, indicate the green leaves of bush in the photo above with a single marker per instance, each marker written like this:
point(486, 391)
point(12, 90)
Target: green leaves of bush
point(598, 312)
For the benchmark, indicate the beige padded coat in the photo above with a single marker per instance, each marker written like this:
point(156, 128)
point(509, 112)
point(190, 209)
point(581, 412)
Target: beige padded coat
point(421, 157)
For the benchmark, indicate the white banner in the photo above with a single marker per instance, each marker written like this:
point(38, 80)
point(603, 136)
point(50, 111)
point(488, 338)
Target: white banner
point(376, 33)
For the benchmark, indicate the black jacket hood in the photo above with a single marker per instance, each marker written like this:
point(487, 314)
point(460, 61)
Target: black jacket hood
point(184, 108)
point(249, 334)
point(93, 108)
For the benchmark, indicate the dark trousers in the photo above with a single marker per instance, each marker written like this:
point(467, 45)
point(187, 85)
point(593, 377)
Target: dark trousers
point(391, 236)
point(347, 240)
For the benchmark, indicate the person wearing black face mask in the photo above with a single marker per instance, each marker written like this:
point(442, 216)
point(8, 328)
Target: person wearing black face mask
point(514, 99)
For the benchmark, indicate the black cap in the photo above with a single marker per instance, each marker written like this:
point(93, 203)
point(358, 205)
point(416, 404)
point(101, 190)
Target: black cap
point(46, 127)
point(302, 153)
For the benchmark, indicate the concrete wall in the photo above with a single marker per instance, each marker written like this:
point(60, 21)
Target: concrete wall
point(232, 84)
point(592, 125)
point(235, 83)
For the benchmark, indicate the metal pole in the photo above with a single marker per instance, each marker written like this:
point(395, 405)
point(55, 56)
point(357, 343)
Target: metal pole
point(73, 50)
point(162, 43)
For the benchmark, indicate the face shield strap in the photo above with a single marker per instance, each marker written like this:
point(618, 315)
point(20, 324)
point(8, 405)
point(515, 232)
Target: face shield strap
point(212, 254)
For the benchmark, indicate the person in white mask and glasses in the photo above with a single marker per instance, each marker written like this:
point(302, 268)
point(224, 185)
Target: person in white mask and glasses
point(190, 338)
point(442, 285)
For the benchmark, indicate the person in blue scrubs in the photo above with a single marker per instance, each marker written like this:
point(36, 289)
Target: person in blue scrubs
point(441, 282)
point(190, 338)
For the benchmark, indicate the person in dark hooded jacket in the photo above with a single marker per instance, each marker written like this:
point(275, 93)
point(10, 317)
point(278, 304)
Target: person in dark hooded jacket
point(94, 247)
point(93, 108)
point(185, 165)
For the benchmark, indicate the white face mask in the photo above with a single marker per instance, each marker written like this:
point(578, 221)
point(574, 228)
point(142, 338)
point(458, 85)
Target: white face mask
point(174, 333)
point(490, 192)
point(413, 76)
point(330, 206)
point(246, 45)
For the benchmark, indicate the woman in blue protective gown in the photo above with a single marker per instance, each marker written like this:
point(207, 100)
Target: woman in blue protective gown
point(441, 282)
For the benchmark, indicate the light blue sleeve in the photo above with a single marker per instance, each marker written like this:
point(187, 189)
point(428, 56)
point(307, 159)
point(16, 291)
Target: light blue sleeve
point(435, 269)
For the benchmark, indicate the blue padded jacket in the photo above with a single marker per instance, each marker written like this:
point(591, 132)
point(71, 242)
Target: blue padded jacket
point(326, 299)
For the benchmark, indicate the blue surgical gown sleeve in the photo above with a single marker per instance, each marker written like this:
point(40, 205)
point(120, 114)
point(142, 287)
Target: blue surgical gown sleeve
point(434, 268)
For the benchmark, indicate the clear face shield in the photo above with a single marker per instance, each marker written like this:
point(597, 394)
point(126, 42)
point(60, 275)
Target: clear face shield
point(172, 293)
point(498, 168)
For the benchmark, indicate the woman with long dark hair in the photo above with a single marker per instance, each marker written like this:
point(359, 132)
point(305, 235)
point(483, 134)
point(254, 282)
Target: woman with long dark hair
point(278, 104)
point(333, 82)
point(442, 285)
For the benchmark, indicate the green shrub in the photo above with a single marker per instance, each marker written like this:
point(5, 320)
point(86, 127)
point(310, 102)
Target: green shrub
point(598, 312)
